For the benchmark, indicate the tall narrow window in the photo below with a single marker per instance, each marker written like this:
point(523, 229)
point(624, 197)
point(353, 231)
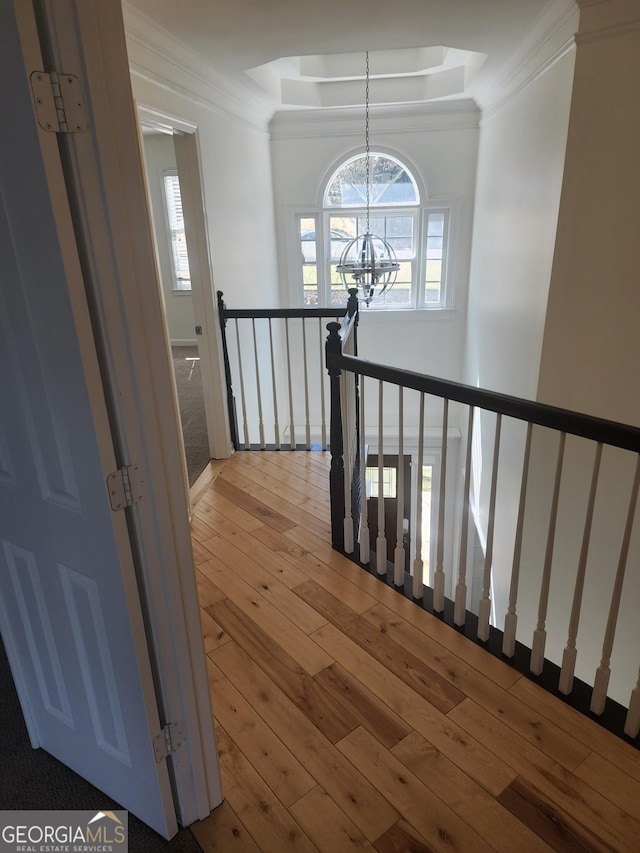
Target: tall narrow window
point(308, 231)
point(435, 248)
point(173, 199)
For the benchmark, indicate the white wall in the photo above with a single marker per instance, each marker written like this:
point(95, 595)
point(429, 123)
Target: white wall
point(520, 167)
point(159, 155)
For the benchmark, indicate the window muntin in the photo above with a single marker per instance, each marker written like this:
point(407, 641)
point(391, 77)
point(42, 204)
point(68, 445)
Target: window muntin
point(173, 202)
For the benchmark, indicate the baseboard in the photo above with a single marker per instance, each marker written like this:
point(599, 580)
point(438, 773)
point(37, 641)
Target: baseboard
point(205, 480)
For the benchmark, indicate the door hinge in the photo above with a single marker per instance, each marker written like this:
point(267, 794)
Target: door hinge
point(170, 738)
point(126, 487)
point(59, 102)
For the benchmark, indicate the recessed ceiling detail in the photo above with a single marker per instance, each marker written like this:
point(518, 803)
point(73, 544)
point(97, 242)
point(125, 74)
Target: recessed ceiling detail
point(413, 75)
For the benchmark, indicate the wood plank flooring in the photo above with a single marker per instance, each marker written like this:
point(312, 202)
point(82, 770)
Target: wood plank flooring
point(349, 719)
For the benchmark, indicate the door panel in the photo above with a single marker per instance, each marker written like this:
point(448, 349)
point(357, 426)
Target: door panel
point(70, 613)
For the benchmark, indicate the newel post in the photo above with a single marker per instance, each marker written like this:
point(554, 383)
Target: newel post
point(333, 346)
point(231, 403)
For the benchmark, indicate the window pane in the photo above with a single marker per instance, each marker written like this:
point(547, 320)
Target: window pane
point(182, 276)
point(399, 234)
point(399, 295)
point(308, 240)
point(339, 294)
point(389, 482)
point(342, 231)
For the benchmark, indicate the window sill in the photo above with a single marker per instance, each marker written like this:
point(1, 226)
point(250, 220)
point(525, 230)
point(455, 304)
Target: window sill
point(414, 313)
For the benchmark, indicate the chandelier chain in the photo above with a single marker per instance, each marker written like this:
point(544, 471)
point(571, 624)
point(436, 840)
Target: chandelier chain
point(367, 261)
point(367, 159)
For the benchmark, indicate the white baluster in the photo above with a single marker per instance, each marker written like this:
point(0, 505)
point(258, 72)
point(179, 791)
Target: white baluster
point(258, 388)
point(306, 384)
point(565, 685)
point(323, 379)
point(632, 722)
point(292, 427)
point(438, 575)
point(398, 554)
point(276, 425)
point(536, 661)
point(347, 427)
point(599, 695)
point(511, 619)
point(247, 443)
point(418, 564)
point(460, 606)
point(381, 541)
point(364, 510)
point(484, 609)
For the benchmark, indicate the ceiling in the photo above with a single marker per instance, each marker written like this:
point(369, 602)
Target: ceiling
point(306, 54)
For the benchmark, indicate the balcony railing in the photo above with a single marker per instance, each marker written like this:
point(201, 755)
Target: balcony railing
point(277, 385)
point(523, 536)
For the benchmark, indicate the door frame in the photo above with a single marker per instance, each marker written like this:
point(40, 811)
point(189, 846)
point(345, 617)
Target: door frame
point(105, 179)
point(186, 140)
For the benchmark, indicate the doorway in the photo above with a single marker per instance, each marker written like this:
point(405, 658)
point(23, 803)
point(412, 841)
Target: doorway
point(174, 268)
point(388, 490)
point(411, 518)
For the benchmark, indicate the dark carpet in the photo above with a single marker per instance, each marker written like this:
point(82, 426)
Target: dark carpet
point(33, 779)
point(186, 369)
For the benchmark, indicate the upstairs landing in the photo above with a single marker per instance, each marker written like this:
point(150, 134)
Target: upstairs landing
point(348, 718)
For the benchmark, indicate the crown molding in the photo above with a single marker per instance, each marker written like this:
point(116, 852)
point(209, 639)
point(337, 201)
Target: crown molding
point(550, 39)
point(156, 55)
point(447, 115)
point(539, 72)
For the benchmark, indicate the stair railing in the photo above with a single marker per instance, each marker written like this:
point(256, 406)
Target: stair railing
point(560, 504)
point(274, 360)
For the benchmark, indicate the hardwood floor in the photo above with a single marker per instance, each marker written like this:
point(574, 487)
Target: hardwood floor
point(347, 718)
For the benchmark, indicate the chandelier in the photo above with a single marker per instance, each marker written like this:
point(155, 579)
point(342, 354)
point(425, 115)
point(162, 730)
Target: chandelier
point(368, 261)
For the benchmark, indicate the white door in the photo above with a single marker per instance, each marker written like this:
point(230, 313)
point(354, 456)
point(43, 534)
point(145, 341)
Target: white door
point(70, 612)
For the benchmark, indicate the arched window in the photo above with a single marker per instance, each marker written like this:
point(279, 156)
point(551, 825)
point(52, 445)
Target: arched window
point(391, 184)
point(416, 233)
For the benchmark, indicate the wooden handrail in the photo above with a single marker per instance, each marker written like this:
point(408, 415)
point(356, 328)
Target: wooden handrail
point(282, 313)
point(564, 420)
